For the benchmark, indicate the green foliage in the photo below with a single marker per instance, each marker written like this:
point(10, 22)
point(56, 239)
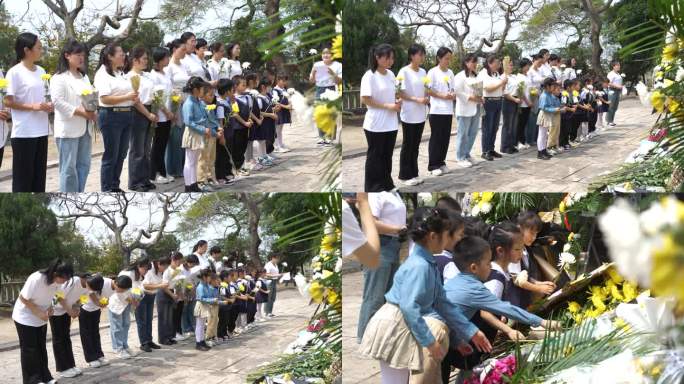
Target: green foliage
point(163, 247)
point(74, 247)
point(8, 34)
point(652, 172)
point(507, 205)
point(147, 34)
point(110, 262)
point(552, 17)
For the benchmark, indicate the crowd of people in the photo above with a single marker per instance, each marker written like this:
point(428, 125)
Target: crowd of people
point(198, 296)
point(542, 101)
point(190, 109)
point(443, 306)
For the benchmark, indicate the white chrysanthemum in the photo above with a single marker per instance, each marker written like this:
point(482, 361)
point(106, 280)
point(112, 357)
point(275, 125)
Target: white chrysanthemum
point(338, 265)
point(313, 51)
point(330, 95)
point(566, 247)
point(246, 65)
point(486, 207)
point(680, 75)
point(521, 278)
point(566, 259)
point(475, 211)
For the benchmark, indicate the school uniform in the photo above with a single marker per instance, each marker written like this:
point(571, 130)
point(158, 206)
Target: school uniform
point(284, 115)
point(517, 296)
point(588, 97)
point(224, 311)
point(442, 260)
point(389, 208)
point(509, 112)
point(441, 117)
point(242, 306)
point(161, 81)
point(29, 129)
point(380, 127)
point(60, 324)
point(115, 122)
point(234, 311)
point(240, 132)
point(412, 116)
point(119, 319)
point(141, 136)
point(492, 107)
point(251, 304)
point(89, 324)
point(31, 330)
point(567, 120)
point(416, 315)
point(165, 303)
point(255, 132)
point(467, 116)
point(268, 125)
point(175, 154)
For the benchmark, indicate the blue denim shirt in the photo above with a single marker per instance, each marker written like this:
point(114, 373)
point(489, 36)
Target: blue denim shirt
point(206, 293)
point(417, 290)
point(212, 122)
point(549, 103)
point(195, 115)
point(470, 295)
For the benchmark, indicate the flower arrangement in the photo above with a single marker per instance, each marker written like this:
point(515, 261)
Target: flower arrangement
point(135, 82)
point(398, 84)
point(46, 83)
point(498, 371)
point(481, 203)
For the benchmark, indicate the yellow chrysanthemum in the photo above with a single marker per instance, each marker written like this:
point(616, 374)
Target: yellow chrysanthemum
point(86, 92)
point(316, 290)
point(224, 284)
point(487, 196)
point(337, 47)
point(426, 80)
point(571, 236)
point(615, 276)
point(104, 301)
point(3, 83)
point(136, 291)
point(188, 286)
point(534, 92)
point(446, 79)
point(658, 101)
point(475, 196)
point(574, 307)
point(316, 265)
point(561, 207)
point(615, 293)
point(629, 291)
point(565, 93)
point(621, 324)
point(327, 273)
point(333, 297)
point(670, 52)
point(211, 107)
point(46, 76)
point(175, 98)
point(575, 93)
point(659, 75)
point(673, 105)
point(83, 299)
point(325, 118)
point(400, 78)
point(235, 108)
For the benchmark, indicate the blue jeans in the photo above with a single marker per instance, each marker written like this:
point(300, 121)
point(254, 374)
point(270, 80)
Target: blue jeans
point(614, 100)
point(467, 132)
point(139, 154)
point(175, 154)
point(143, 319)
point(377, 282)
point(188, 317)
point(272, 290)
point(74, 162)
point(490, 123)
point(116, 131)
point(118, 328)
point(532, 130)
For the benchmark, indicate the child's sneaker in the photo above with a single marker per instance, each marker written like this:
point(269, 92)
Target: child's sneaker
point(257, 167)
point(243, 172)
point(95, 364)
point(69, 373)
point(123, 354)
point(180, 337)
point(201, 347)
point(210, 343)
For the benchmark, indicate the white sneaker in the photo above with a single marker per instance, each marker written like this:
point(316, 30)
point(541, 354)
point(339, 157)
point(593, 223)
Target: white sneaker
point(464, 164)
point(103, 361)
point(436, 172)
point(285, 149)
point(180, 337)
point(130, 352)
point(410, 182)
point(123, 354)
point(53, 381)
point(95, 364)
point(210, 343)
point(472, 160)
point(78, 371)
point(69, 373)
point(554, 152)
point(444, 169)
point(161, 180)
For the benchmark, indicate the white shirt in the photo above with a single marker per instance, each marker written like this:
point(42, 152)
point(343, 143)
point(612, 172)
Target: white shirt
point(27, 87)
point(440, 84)
point(569, 74)
point(221, 69)
point(463, 90)
point(203, 260)
point(557, 75)
point(194, 65)
point(162, 82)
point(3, 124)
point(352, 236)
point(381, 89)
point(119, 301)
point(615, 78)
point(516, 267)
point(545, 70)
point(271, 268)
point(178, 74)
point(152, 278)
point(388, 207)
point(536, 77)
point(66, 90)
point(72, 291)
point(450, 271)
point(135, 283)
point(323, 77)
point(495, 286)
point(107, 291)
point(488, 80)
point(40, 293)
point(146, 86)
point(412, 85)
point(108, 85)
point(235, 68)
point(528, 83)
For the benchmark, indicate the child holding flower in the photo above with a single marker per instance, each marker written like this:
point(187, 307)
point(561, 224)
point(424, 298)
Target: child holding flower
point(120, 316)
point(197, 128)
point(567, 118)
point(226, 106)
point(442, 96)
point(548, 117)
point(206, 166)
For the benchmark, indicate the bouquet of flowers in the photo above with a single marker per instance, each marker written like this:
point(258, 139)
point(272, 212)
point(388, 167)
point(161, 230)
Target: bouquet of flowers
point(481, 203)
point(3, 89)
point(426, 83)
point(46, 83)
point(158, 99)
point(135, 82)
point(477, 86)
point(59, 295)
point(397, 85)
point(520, 91)
point(104, 301)
point(89, 99)
point(496, 371)
point(175, 100)
point(505, 63)
point(137, 294)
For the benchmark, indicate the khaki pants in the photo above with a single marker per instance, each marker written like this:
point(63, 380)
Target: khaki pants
point(212, 322)
point(206, 169)
point(554, 132)
point(432, 373)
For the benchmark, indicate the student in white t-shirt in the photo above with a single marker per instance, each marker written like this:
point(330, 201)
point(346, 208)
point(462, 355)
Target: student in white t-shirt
point(233, 56)
point(389, 212)
point(218, 64)
point(178, 74)
point(493, 84)
point(442, 96)
point(536, 78)
point(66, 309)
point(26, 97)
point(162, 82)
point(99, 290)
point(614, 91)
point(509, 111)
point(525, 104)
point(115, 115)
point(120, 315)
point(144, 309)
point(4, 116)
point(192, 61)
point(364, 242)
point(468, 110)
point(173, 276)
point(200, 250)
point(31, 312)
point(272, 274)
point(326, 74)
point(380, 124)
point(545, 67)
point(413, 112)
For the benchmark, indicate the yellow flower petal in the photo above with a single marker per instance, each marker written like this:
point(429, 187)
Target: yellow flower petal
point(325, 118)
point(337, 47)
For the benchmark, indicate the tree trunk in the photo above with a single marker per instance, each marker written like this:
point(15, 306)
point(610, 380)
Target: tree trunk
point(254, 215)
point(272, 12)
point(596, 49)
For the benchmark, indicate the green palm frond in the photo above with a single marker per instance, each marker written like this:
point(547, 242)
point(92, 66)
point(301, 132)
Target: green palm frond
point(330, 165)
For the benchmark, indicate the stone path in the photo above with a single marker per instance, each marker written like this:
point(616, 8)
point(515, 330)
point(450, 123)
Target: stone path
point(297, 171)
point(182, 363)
point(567, 172)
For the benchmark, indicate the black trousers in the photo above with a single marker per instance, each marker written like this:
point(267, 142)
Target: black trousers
point(574, 127)
point(161, 138)
point(408, 157)
point(593, 117)
point(29, 164)
point(509, 112)
point(34, 359)
point(165, 331)
point(61, 342)
point(251, 311)
point(232, 317)
point(564, 137)
point(177, 314)
point(238, 147)
point(523, 117)
point(223, 165)
point(378, 172)
point(89, 326)
point(269, 146)
point(2, 153)
point(224, 316)
point(440, 132)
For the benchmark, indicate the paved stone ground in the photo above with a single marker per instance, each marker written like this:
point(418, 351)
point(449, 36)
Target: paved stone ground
point(182, 363)
point(567, 172)
point(295, 171)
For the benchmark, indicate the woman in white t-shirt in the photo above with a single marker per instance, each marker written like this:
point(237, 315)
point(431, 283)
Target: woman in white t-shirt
point(326, 74)
point(31, 312)
point(233, 56)
point(614, 91)
point(145, 309)
point(535, 77)
point(143, 118)
point(493, 84)
point(389, 212)
point(162, 82)
point(509, 111)
point(380, 124)
point(468, 106)
point(442, 98)
point(364, 243)
point(4, 128)
point(412, 114)
point(115, 115)
point(179, 76)
point(100, 289)
point(26, 97)
point(218, 65)
point(66, 309)
point(192, 61)
point(74, 126)
point(525, 105)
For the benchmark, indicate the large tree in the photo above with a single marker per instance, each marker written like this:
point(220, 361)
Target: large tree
point(8, 34)
point(594, 10)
